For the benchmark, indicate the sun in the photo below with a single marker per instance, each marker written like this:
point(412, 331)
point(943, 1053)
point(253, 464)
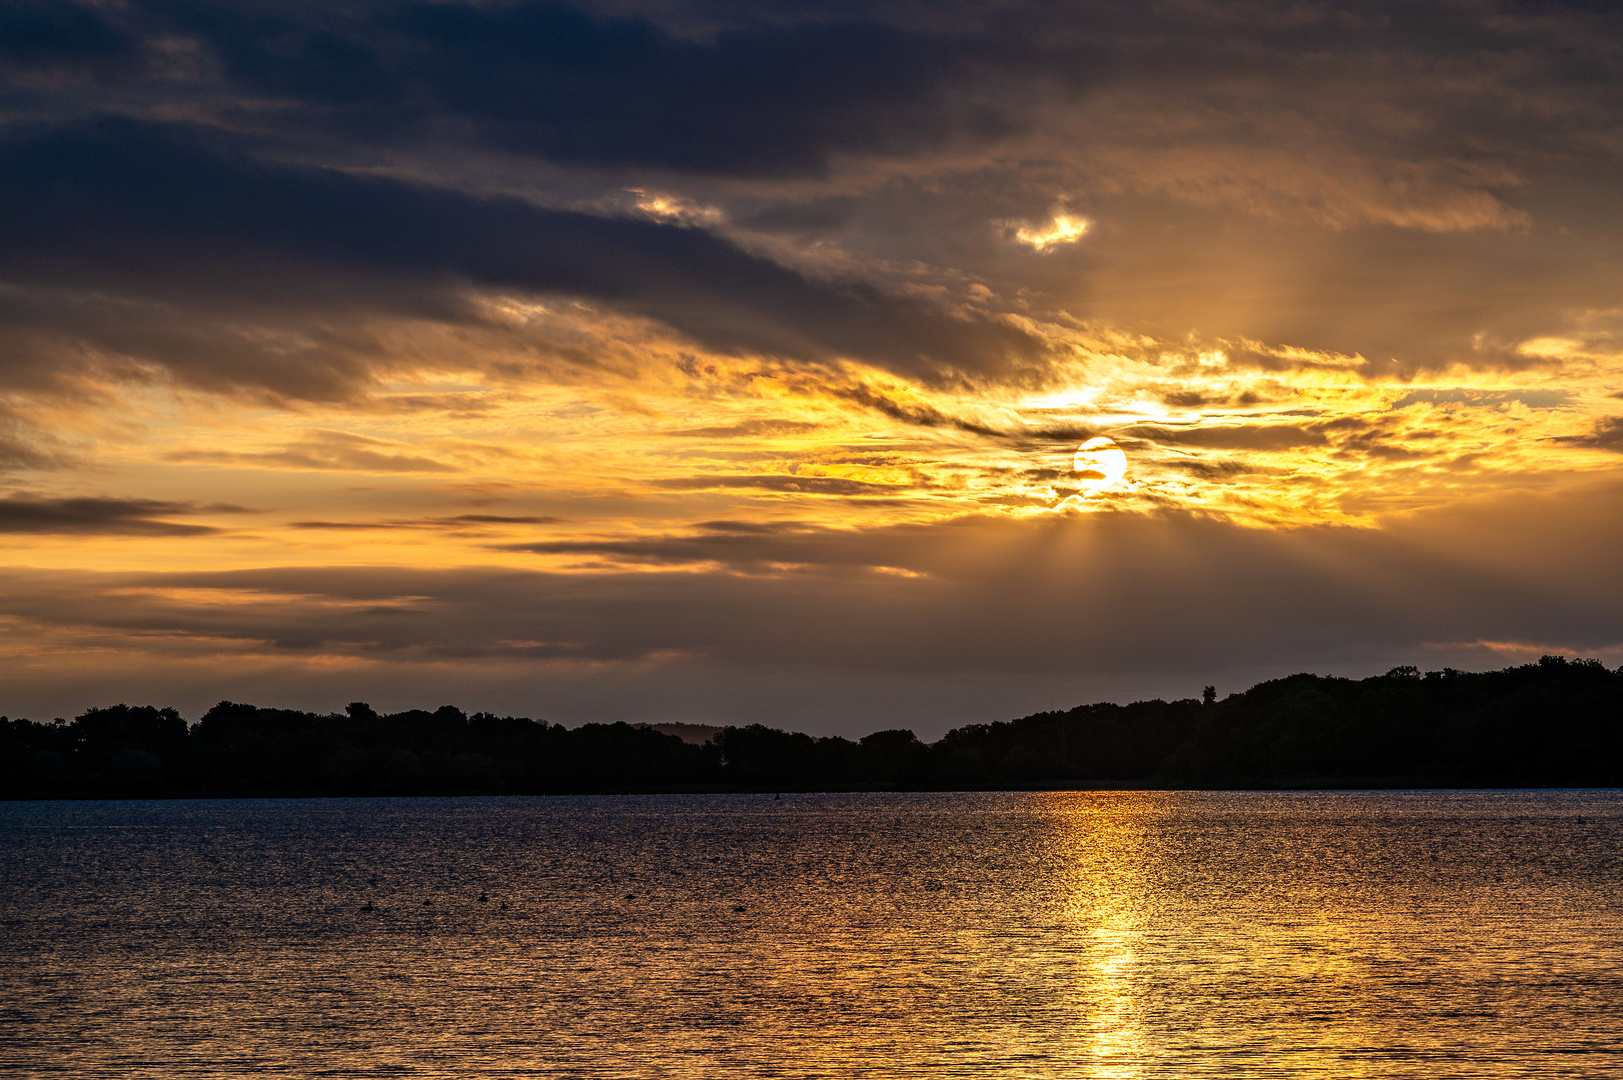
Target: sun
point(1100, 464)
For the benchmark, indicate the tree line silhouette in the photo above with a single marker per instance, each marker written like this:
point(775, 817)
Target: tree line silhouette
point(1556, 722)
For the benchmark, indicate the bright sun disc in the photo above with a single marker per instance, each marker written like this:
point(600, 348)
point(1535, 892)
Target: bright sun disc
point(1100, 463)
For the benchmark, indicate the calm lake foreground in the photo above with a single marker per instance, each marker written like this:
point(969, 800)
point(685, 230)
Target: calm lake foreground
point(1087, 934)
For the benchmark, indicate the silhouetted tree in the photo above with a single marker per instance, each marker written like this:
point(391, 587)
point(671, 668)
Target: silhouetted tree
point(1557, 721)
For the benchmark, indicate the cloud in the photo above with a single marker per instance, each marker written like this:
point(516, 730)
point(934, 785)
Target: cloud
point(750, 527)
point(157, 212)
point(500, 519)
point(337, 199)
point(1607, 434)
point(1068, 590)
point(41, 37)
point(747, 91)
point(1096, 604)
point(1230, 436)
point(1543, 398)
point(763, 428)
point(805, 485)
point(24, 445)
point(458, 522)
point(323, 450)
point(102, 516)
point(556, 81)
point(1061, 229)
point(920, 413)
point(738, 544)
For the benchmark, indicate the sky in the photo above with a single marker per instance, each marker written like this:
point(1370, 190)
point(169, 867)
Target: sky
point(720, 362)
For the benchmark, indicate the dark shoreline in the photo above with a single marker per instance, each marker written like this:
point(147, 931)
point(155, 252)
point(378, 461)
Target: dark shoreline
point(1556, 723)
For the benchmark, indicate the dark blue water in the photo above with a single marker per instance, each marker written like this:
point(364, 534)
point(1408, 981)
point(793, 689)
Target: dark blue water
point(1073, 934)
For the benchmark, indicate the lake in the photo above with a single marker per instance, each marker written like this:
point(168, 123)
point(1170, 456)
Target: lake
point(1069, 934)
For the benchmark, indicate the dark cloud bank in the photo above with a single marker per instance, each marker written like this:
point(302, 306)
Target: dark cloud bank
point(751, 89)
point(216, 165)
point(157, 213)
point(126, 232)
point(103, 516)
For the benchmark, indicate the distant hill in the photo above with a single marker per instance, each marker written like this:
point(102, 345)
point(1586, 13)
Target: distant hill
point(696, 734)
point(1555, 723)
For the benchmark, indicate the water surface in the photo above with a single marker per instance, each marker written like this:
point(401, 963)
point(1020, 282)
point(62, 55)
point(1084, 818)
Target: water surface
point(1046, 934)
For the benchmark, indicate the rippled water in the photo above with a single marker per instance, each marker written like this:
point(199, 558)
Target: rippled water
point(1047, 934)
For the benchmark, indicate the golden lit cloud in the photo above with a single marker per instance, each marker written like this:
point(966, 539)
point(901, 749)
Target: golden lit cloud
point(1060, 229)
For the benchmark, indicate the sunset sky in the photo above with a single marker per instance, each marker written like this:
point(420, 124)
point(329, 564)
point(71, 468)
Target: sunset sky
point(714, 362)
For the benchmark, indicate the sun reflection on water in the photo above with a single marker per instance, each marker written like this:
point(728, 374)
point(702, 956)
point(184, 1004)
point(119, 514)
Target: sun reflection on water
point(1103, 854)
